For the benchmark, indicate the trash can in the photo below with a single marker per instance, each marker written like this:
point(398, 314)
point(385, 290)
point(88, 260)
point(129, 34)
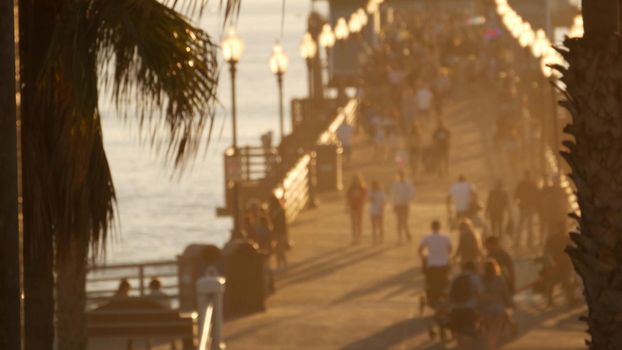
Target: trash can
point(191, 265)
point(245, 293)
point(329, 168)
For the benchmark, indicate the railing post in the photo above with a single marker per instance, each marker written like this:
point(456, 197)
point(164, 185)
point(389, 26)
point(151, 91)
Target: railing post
point(141, 277)
point(210, 289)
point(312, 180)
point(247, 161)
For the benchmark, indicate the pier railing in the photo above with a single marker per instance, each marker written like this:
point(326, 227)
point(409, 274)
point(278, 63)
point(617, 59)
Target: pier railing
point(296, 187)
point(287, 171)
point(102, 281)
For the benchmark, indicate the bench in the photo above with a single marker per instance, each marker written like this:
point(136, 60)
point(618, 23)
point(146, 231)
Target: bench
point(141, 318)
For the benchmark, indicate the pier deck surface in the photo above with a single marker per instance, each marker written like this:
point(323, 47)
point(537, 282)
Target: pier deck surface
point(338, 296)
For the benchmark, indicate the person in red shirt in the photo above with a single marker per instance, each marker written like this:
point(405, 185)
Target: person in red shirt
point(356, 196)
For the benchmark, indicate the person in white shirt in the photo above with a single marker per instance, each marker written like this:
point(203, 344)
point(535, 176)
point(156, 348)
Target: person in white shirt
point(345, 134)
point(402, 194)
point(461, 194)
point(435, 252)
point(376, 212)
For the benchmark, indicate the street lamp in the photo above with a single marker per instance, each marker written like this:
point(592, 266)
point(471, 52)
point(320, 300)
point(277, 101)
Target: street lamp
point(355, 25)
point(327, 41)
point(362, 16)
point(308, 50)
point(341, 29)
point(232, 48)
point(278, 66)
point(327, 37)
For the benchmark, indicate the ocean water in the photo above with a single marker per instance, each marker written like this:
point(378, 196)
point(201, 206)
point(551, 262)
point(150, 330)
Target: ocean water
point(160, 214)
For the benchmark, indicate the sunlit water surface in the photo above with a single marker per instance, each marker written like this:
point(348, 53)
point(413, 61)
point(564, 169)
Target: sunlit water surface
point(159, 214)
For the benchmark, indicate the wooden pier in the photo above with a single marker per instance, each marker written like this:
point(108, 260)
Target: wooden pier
point(338, 296)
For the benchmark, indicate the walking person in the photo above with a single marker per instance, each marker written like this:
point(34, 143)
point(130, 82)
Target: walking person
point(555, 207)
point(504, 260)
point(461, 194)
point(441, 141)
point(377, 201)
point(469, 244)
point(402, 194)
point(526, 195)
point(280, 232)
point(356, 197)
point(560, 270)
point(345, 134)
point(497, 207)
point(464, 296)
point(435, 252)
point(495, 298)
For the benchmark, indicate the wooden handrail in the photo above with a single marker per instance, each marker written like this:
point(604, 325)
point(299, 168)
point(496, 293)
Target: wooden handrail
point(347, 114)
point(295, 188)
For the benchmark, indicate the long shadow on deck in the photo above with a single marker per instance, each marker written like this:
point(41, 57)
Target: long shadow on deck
point(390, 336)
point(332, 266)
point(399, 283)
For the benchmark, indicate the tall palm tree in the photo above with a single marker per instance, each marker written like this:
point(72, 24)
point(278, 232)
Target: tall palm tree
point(143, 51)
point(593, 96)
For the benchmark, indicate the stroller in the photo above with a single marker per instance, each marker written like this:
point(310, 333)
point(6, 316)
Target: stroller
point(436, 299)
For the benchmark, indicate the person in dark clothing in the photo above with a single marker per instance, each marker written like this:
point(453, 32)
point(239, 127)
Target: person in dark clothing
point(526, 196)
point(554, 201)
point(502, 257)
point(356, 197)
point(469, 243)
point(441, 140)
point(280, 234)
point(558, 269)
point(497, 206)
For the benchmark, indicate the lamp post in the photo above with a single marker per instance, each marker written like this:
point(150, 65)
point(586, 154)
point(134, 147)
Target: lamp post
point(308, 50)
point(232, 48)
point(355, 24)
point(327, 41)
point(341, 29)
point(278, 66)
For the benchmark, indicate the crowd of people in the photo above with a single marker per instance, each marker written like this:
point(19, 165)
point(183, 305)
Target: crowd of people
point(408, 78)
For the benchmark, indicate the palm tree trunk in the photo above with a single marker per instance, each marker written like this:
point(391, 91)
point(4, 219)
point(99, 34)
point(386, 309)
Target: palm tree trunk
point(9, 229)
point(594, 83)
point(37, 20)
point(71, 263)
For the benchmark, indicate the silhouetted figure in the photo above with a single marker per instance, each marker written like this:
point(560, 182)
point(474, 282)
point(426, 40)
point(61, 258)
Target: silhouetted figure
point(435, 252)
point(462, 195)
point(156, 293)
point(123, 290)
point(526, 195)
point(356, 196)
point(502, 257)
point(402, 194)
point(559, 270)
point(441, 140)
point(497, 207)
point(464, 295)
point(494, 300)
point(280, 232)
point(345, 134)
point(554, 207)
point(377, 201)
point(469, 244)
